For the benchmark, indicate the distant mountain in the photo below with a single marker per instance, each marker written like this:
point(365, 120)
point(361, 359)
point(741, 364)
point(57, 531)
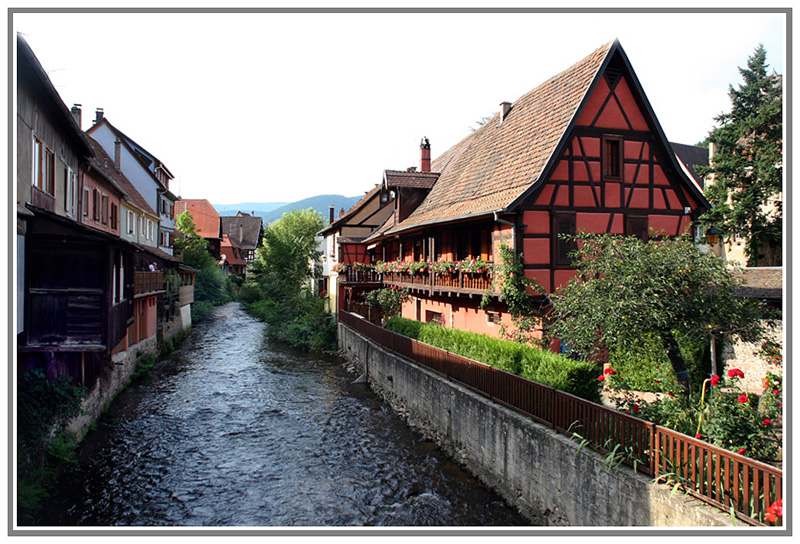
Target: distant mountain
point(270, 211)
point(249, 207)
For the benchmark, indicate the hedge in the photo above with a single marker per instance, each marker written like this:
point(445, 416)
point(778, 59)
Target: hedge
point(545, 367)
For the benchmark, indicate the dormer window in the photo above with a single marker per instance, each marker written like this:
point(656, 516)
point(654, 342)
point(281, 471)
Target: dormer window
point(612, 158)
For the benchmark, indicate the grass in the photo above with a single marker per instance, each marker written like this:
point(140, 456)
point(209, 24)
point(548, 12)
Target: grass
point(545, 367)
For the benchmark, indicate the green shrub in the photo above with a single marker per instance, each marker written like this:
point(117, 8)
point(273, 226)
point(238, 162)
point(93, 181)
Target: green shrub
point(311, 328)
point(144, 363)
point(201, 310)
point(541, 366)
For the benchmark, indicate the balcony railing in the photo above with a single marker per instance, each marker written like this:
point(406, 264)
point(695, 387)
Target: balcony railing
point(459, 282)
point(145, 283)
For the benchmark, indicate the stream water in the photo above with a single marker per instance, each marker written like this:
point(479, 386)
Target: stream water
point(235, 430)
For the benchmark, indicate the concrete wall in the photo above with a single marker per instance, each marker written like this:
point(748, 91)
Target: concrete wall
point(746, 358)
point(544, 475)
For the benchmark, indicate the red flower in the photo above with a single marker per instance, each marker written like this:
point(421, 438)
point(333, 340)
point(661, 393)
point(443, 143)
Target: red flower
point(775, 511)
point(657, 381)
point(607, 370)
point(714, 380)
point(735, 373)
point(766, 421)
point(636, 409)
point(776, 392)
point(671, 394)
point(697, 436)
point(612, 371)
point(743, 398)
point(742, 450)
point(601, 378)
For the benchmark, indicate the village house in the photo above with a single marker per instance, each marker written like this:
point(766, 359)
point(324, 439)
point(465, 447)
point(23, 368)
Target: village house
point(582, 152)
point(147, 174)
point(86, 242)
point(232, 259)
point(75, 274)
point(246, 230)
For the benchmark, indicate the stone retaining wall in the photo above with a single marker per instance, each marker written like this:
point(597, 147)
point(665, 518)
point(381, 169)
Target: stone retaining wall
point(547, 477)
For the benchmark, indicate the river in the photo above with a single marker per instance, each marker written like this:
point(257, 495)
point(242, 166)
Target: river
point(235, 430)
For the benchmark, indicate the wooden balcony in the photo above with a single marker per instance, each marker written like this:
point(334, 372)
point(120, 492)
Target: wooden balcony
point(42, 200)
point(359, 276)
point(460, 283)
point(148, 283)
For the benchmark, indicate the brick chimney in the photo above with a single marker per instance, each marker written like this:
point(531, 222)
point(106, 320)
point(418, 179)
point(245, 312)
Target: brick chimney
point(76, 114)
point(425, 155)
point(98, 115)
point(506, 107)
point(117, 154)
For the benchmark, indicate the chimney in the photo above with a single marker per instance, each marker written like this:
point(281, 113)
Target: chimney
point(341, 212)
point(425, 155)
point(330, 214)
point(76, 114)
point(117, 154)
point(98, 115)
point(506, 107)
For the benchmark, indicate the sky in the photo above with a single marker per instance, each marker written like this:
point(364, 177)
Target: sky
point(277, 107)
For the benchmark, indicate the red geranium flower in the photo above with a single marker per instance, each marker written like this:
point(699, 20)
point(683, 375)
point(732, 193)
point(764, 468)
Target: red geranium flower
point(636, 409)
point(601, 378)
point(743, 398)
point(742, 450)
point(714, 380)
point(766, 421)
point(775, 511)
point(657, 381)
point(697, 436)
point(607, 370)
point(735, 373)
point(776, 392)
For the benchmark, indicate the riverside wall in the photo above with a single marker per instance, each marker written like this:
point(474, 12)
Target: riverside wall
point(546, 476)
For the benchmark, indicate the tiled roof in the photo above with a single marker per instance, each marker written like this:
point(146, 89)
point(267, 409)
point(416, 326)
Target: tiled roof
point(692, 156)
point(105, 164)
point(493, 166)
point(415, 180)
point(227, 248)
point(205, 217)
point(251, 229)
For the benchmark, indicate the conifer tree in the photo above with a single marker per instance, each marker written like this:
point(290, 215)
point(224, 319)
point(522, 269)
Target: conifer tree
point(748, 161)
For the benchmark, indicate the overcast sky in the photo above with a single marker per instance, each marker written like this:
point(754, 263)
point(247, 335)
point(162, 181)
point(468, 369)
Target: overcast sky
point(268, 107)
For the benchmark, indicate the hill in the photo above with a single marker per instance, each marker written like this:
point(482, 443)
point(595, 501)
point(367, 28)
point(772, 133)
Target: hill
point(270, 211)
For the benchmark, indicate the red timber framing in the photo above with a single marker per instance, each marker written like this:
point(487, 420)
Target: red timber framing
point(613, 174)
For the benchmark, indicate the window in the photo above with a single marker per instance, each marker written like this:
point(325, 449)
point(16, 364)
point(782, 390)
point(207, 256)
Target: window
point(105, 209)
point(113, 216)
point(612, 158)
point(563, 225)
point(96, 205)
point(86, 202)
point(50, 173)
point(131, 222)
point(38, 153)
point(636, 226)
point(433, 317)
point(492, 317)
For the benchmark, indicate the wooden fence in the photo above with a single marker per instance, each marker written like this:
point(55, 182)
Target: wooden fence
point(724, 479)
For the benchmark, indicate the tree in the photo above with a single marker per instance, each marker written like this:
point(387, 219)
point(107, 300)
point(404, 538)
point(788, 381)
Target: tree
point(748, 161)
point(209, 281)
point(287, 258)
point(194, 246)
point(627, 289)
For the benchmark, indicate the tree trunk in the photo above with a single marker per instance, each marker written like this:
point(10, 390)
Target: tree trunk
point(678, 364)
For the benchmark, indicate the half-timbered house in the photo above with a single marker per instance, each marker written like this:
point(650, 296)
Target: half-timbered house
point(583, 151)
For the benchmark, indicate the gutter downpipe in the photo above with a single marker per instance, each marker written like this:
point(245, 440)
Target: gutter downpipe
point(513, 230)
